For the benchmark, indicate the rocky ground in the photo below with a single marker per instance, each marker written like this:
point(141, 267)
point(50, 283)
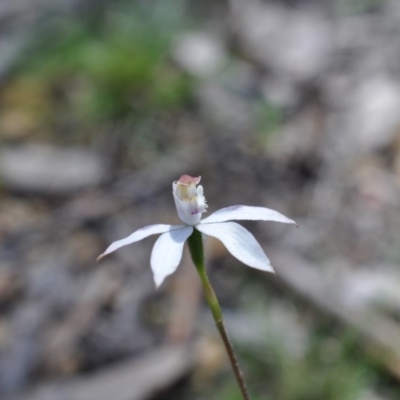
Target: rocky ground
point(293, 105)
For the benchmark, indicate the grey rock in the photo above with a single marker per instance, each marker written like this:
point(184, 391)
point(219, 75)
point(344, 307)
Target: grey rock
point(295, 43)
point(48, 169)
point(199, 54)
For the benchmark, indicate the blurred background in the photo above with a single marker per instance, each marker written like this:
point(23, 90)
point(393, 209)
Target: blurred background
point(288, 104)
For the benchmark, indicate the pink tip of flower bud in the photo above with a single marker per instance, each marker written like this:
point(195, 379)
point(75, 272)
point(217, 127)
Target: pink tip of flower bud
point(188, 180)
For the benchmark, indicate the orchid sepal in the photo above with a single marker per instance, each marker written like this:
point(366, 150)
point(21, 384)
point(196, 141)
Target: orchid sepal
point(249, 213)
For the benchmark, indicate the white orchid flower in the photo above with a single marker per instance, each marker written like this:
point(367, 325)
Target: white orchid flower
point(190, 205)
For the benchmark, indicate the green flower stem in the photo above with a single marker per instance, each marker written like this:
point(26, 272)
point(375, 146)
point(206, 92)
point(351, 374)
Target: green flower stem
point(195, 242)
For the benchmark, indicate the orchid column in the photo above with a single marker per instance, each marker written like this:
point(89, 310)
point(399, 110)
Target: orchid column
point(167, 251)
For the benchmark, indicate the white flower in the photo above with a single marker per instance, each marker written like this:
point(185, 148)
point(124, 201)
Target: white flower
point(190, 204)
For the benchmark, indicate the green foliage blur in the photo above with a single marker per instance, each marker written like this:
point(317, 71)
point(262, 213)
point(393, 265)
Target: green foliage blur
point(85, 75)
point(117, 64)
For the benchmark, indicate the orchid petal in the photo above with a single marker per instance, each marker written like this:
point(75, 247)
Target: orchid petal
point(167, 253)
point(246, 213)
point(239, 242)
point(138, 235)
